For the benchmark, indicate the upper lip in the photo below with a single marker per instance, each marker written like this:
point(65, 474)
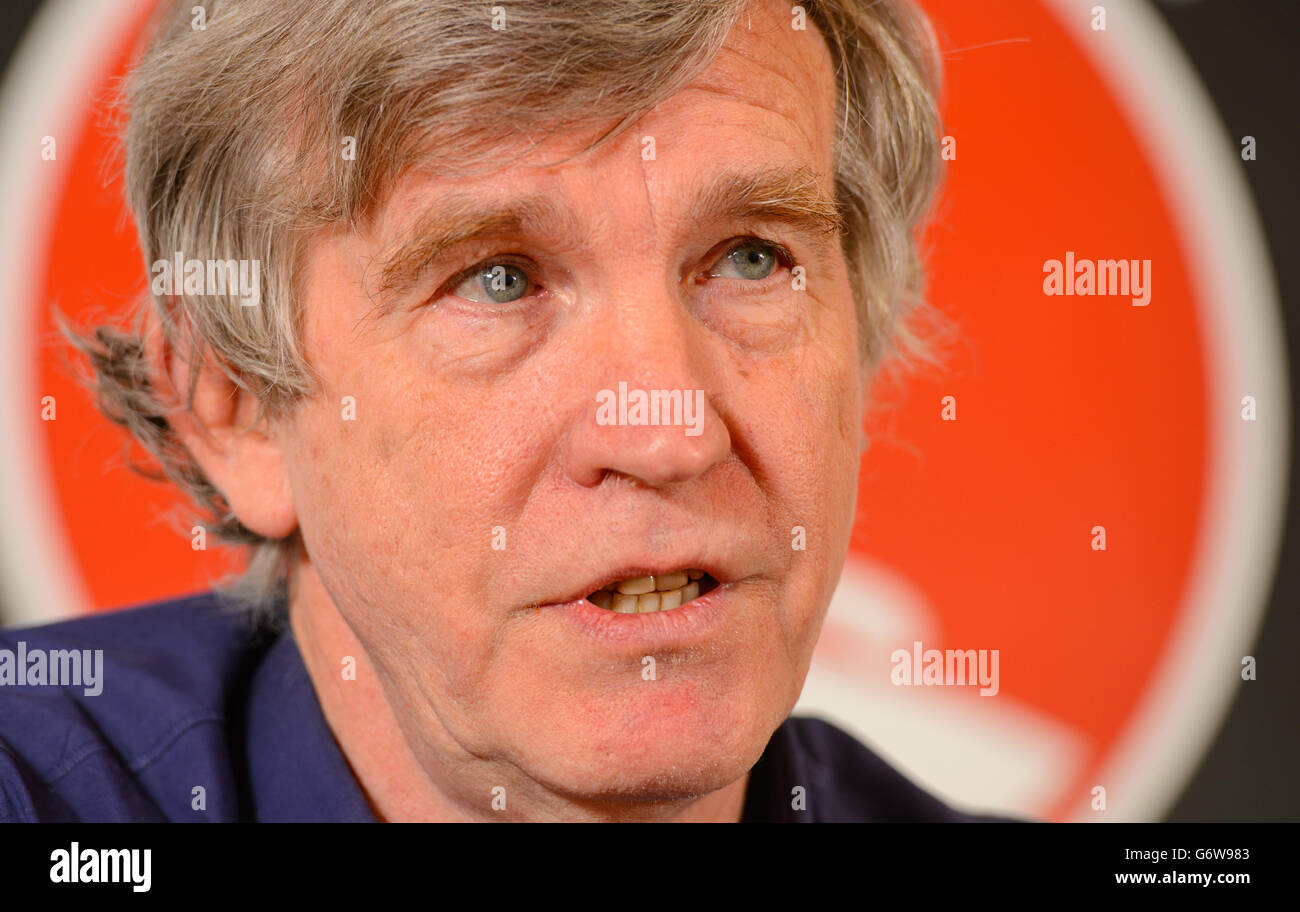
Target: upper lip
point(640, 570)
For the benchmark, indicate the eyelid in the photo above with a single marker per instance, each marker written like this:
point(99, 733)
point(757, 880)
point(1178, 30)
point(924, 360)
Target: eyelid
point(783, 255)
point(784, 258)
point(502, 259)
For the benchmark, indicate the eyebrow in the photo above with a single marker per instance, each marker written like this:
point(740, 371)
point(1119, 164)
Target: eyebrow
point(792, 196)
point(782, 194)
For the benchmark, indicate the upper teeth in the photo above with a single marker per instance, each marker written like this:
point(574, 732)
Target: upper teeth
point(650, 593)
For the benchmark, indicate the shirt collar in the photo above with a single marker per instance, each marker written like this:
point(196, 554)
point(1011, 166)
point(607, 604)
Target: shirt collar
point(770, 795)
point(297, 772)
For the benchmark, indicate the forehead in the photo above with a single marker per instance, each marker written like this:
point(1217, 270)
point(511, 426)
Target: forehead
point(767, 100)
point(768, 65)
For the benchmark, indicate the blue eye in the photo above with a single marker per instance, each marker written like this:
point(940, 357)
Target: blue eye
point(502, 283)
point(752, 260)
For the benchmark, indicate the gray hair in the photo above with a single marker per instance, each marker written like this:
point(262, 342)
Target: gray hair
point(233, 143)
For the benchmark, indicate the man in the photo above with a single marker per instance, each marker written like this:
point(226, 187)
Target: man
point(531, 369)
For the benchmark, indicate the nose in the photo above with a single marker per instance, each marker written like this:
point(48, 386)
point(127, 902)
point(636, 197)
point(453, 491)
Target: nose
point(648, 415)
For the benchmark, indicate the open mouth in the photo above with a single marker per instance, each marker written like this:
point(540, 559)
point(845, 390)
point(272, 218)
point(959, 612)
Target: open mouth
point(647, 594)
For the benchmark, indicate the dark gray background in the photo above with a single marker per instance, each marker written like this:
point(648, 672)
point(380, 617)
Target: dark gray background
point(1245, 52)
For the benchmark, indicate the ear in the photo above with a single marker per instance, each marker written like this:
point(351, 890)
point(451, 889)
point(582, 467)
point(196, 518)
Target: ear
point(245, 463)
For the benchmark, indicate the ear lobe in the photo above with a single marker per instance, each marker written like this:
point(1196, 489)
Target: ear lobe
point(244, 461)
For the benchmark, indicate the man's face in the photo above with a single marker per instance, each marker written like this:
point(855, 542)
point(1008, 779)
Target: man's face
point(459, 519)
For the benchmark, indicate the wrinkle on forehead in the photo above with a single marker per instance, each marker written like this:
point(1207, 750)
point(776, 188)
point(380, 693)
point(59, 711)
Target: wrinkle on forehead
point(766, 64)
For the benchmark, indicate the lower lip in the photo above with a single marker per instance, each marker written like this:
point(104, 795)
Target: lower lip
point(686, 624)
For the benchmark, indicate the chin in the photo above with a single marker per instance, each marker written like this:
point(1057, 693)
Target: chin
point(664, 746)
point(680, 773)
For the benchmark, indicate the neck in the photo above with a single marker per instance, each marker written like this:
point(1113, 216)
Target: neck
point(402, 783)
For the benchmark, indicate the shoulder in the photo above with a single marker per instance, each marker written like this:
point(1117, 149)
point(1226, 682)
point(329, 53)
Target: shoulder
point(847, 782)
point(121, 715)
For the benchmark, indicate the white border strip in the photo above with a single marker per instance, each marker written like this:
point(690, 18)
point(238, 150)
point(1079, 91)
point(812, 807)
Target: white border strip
point(62, 56)
point(1239, 540)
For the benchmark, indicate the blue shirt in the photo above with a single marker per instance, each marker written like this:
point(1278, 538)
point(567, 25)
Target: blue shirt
point(195, 697)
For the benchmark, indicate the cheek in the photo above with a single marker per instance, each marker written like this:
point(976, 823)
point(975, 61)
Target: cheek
point(334, 475)
point(808, 411)
point(811, 416)
point(384, 526)
point(835, 393)
point(420, 472)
